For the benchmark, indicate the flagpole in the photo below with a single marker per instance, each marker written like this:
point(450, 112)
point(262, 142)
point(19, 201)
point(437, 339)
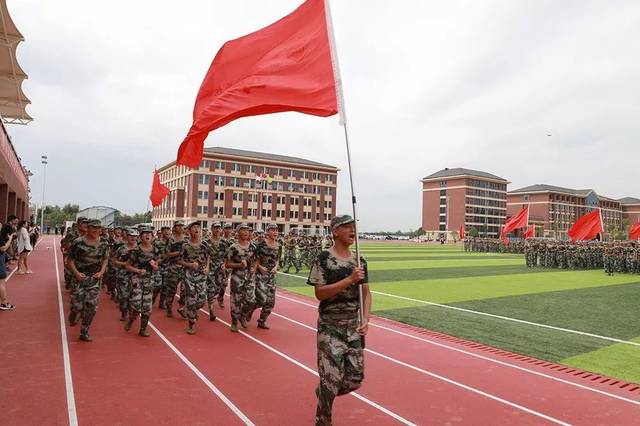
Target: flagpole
point(343, 122)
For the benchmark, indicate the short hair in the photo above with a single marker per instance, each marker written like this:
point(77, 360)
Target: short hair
point(11, 217)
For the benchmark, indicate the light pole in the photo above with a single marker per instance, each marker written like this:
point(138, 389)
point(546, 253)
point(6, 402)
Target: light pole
point(44, 182)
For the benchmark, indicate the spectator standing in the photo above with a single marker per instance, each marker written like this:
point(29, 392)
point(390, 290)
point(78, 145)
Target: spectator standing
point(24, 248)
point(6, 239)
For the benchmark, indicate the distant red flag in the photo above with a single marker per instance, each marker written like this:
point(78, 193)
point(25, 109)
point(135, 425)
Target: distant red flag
point(634, 233)
point(530, 232)
point(461, 232)
point(587, 227)
point(158, 190)
point(285, 66)
point(519, 220)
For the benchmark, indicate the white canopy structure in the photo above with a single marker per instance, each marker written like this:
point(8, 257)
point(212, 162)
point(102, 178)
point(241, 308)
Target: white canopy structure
point(12, 100)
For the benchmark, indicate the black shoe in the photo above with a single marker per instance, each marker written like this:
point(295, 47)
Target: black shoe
point(128, 325)
point(243, 323)
point(192, 329)
point(73, 318)
point(169, 313)
point(123, 316)
point(144, 332)
point(212, 316)
point(182, 313)
point(85, 337)
point(261, 324)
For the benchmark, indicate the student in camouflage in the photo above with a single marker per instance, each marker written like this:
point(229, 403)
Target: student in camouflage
point(174, 270)
point(228, 240)
point(77, 229)
point(88, 258)
point(243, 293)
point(115, 243)
point(162, 243)
point(142, 264)
point(336, 277)
point(266, 254)
point(217, 274)
point(123, 276)
point(195, 260)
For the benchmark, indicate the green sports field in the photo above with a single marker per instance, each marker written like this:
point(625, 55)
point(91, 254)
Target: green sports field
point(500, 284)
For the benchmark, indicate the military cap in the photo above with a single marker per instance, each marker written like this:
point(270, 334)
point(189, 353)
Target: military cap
point(216, 225)
point(227, 226)
point(259, 232)
point(142, 229)
point(82, 219)
point(341, 220)
point(132, 232)
point(195, 222)
point(178, 223)
point(165, 227)
point(272, 226)
point(95, 223)
point(243, 226)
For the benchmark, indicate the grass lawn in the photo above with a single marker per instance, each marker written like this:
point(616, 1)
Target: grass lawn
point(500, 284)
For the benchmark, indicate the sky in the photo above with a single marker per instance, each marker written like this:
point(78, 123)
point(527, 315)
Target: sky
point(427, 85)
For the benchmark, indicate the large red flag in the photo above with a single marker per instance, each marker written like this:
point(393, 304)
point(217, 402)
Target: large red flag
point(286, 66)
point(519, 220)
point(634, 232)
point(461, 232)
point(158, 190)
point(530, 232)
point(587, 227)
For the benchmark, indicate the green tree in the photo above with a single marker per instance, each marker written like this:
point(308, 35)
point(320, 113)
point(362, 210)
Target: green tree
point(473, 232)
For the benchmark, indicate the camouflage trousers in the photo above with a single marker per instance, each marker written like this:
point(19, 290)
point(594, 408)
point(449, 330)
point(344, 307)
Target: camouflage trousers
point(243, 294)
point(174, 276)
point(291, 259)
point(68, 275)
point(217, 279)
point(141, 297)
point(84, 299)
point(340, 363)
point(159, 286)
point(195, 293)
point(123, 286)
point(265, 294)
point(223, 285)
point(110, 280)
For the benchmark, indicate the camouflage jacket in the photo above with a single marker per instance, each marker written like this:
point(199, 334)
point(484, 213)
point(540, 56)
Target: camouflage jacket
point(196, 253)
point(267, 256)
point(88, 258)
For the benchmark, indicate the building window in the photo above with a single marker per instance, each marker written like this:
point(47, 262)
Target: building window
point(329, 191)
point(443, 192)
point(443, 184)
point(330, 178)
point(203, 179)
point(526, 198)
point(219, 165)
point(203, 195)
point(203, 210)
point(237, 211)
point(292, 173)
point(251, 168)
point(237, 196)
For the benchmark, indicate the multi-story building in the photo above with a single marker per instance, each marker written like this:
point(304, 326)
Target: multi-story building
point(630, 209)
point(555, 209)
point(227, 187)
point(455, 197)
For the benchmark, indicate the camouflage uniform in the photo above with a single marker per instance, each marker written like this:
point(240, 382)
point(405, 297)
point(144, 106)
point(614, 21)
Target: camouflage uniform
point(291, 254)
point(160, 275)
point(65, 245)
point(195, 281)
point(266, 283)
point(340, 346)
point(227, 242)
point(243, 291)
point(88, 260)
point(142, 286)
point(217, 277)
point(123, 279)
point(174, 273)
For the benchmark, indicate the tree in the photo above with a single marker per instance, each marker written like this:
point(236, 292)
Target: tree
point(129, 220)
point(473, 232)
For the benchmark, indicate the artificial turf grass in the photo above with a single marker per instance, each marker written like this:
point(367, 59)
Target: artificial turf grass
point(617, 360)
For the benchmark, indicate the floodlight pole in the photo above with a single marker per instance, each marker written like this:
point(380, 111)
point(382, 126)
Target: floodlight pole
point(44, 182)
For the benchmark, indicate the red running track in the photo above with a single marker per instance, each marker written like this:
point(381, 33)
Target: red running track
point(267, 376)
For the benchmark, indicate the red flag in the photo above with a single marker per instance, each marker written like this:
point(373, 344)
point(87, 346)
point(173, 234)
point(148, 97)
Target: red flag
point(634, 232)
point(587, 227)
point(530, 232)
point(286, 66)
point(158, 190)
point(461, 232)
point(520, 220)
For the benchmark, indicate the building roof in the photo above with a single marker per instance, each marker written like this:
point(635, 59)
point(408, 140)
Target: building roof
point(264, 156)
point(540, 187)
point(447, 172)
point(629, 200)
point(12, 100)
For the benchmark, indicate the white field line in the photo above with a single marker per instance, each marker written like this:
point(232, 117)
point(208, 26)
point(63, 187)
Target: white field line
point(475, 355)
point(204, 379)
point(71, 401)
point(312, 371)
point(536, 324)
point(442, 378)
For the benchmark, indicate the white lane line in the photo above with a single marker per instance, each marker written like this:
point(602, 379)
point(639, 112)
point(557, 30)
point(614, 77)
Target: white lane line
point(475, 355)
point(68, 380)
point(442, 378)
point(202, 377)
point(455, 308)
point(312, 371)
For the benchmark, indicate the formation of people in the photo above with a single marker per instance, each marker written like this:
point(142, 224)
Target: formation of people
point(142, 266)
point(492, 245)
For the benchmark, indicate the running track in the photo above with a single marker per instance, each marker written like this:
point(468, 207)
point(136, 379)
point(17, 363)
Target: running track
point(413, 376)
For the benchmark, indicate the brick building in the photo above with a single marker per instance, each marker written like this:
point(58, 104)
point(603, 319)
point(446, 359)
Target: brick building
point(455, 197)
point(630, 209)
point(224, 188)
point(555, 209)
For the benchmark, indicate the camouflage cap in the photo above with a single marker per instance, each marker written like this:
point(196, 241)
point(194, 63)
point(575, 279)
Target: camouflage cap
point(227, 226)
point(178, 223)
point(95, 223)
point(216, 225)
point(341, 220)
point(194, 223)
point(242, 226)
point(272, 226)
point(131, 232)
point(142, 229)
point(165, 227)
point(81, 219)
